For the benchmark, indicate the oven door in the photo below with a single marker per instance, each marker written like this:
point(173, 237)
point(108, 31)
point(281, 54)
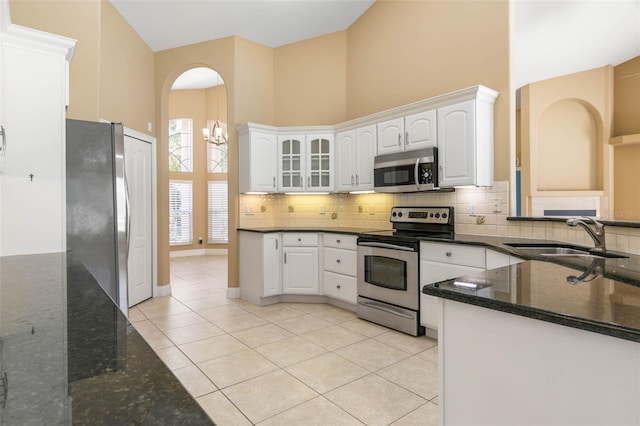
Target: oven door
point(389, 274)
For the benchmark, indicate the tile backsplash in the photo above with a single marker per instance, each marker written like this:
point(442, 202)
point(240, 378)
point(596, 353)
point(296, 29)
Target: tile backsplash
point(479, 211)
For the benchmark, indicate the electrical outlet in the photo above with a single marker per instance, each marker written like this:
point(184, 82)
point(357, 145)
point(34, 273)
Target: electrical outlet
point(199, 240)
point(372, 209)
point(473, 209)
point(496, 205)
point(322, 209)
point(359, 209)
point(291, 209)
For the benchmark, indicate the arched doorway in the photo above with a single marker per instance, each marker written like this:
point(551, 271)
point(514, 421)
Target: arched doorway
point(198, 170)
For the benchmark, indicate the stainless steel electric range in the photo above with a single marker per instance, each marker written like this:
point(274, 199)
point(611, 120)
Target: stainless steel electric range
point(389, 266)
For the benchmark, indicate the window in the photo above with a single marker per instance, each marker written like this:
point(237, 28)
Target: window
point(218, 216)
point(180, 217)
point(180, 145)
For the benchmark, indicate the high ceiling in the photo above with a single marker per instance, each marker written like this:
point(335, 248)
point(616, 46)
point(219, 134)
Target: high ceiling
point(552, 37)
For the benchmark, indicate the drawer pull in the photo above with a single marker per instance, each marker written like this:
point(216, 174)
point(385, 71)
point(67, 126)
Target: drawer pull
point(448, 254)
point(337, 260)
point(338, 241)
point(299, 239)
point(338, 286)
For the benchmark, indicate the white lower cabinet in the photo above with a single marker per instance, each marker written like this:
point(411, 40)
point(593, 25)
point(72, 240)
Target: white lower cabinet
point(260, 270)
point(300, 263)
point(443, 261)
point(340, 267)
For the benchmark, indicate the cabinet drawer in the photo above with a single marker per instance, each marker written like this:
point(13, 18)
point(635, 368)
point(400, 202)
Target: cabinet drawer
point(453, 253)
point(340, 287)
point(340, 261)
point(302, 239)
point(343, 241)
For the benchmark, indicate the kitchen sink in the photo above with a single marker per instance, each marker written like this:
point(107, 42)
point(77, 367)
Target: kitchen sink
point(564, 250)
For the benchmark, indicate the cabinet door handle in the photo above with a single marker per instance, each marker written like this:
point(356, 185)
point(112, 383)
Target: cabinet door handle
point(337, 260)
point(274, 181)
point(276, 244)
point(357, 180)
point(399, 139)
point(338, 241)
point(338, 286)
point(3, 147)
point(299, 239)
point(406, 138)
point(448, 254)
point(309, 182)
point(351, 180)
point(285, 257)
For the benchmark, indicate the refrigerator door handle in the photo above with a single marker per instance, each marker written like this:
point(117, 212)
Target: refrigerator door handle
point(127, 212)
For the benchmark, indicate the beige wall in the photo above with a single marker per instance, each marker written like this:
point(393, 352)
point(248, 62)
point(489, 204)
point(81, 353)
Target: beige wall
point(112, 68)
point(566, 124)
point(311, 81)
point(404, 51)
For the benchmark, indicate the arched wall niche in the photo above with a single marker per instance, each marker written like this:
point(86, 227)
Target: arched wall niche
point(570, 147)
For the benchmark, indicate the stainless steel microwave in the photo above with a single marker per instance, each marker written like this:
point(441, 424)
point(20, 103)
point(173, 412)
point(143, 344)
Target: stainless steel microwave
point(408, 171)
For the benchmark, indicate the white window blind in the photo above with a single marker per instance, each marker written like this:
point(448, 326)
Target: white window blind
point(218, 212)
point(180, 212)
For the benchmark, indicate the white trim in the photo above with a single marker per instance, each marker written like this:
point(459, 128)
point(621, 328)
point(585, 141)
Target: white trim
point(199, 252)
point(161, 290)
point(233, 292)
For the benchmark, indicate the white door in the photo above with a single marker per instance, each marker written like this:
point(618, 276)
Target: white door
point(366, 149)
point(420, 130)
point(456, 144)
point(300, 271)
point(345, 159)
point(138, 175)
point(263, 162)
point(391, 136)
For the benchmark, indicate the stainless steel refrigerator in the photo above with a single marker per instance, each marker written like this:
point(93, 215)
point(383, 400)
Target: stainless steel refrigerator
point(97, 204)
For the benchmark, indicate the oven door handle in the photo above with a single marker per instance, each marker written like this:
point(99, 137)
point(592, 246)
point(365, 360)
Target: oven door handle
point(385, 245)
point(386, 309)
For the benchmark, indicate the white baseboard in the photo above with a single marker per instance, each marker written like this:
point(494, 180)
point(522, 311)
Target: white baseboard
point(162, 290)
point(198, 252)
point(233, 292)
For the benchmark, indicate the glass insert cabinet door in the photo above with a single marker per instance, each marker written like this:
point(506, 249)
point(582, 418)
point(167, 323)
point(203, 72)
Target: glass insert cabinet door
point(319, 163)
point(291, 153)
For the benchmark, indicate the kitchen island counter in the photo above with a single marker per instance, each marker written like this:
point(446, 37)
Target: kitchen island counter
point(70, 356)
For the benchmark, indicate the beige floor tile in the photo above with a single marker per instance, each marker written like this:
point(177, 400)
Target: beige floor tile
point(173, 358)
point(374, 400)
point(178, 320)
point(213, 347)
point(221, 312)
point(303, 324)
point(268, 395)
point(312, 308)
point(136, 315)
point(192, 333)
point(336, 315)
point(426, 415)
point(290, 351)
point(430, 354)
point(277, 312)
point(194, 380)
point(239, 322)
point(202, 302)
point(404, 342)
point(317, 412)
point(415, 374)
point(372, 354)
point(262, 335)
point(326, 372)
point(235, 368)
point(150, 333)
point(333, 337)
point(365, 328)
point(161, 307)
point(221, 410)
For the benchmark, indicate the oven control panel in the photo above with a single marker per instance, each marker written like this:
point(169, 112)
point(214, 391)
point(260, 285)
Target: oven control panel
point(440, 215)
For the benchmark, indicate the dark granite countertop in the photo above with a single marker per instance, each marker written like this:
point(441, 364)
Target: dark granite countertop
point(594, 294)
point(71, 357)
point(336, 230)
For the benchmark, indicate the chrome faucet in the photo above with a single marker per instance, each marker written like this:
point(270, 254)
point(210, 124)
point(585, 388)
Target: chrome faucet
point(596, 234)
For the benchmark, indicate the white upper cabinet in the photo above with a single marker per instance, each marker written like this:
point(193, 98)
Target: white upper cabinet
point(258, 170)
point(34, 86)
point(465, 141)
point(355, 152)
point(305, 162)
point(412, 132)
point(291, 159)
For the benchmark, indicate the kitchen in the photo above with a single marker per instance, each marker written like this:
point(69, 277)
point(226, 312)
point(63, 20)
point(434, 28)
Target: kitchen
point(490, 67)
